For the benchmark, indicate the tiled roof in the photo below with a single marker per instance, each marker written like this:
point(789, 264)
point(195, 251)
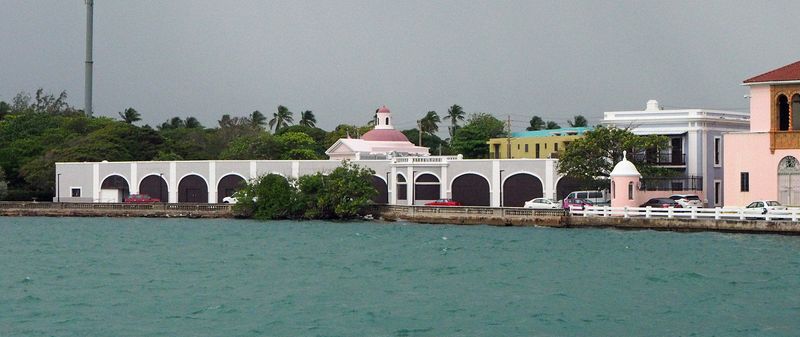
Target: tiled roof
point(786, 73)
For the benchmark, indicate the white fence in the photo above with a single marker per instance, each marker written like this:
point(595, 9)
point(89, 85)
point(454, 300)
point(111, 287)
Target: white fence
point(717, 213)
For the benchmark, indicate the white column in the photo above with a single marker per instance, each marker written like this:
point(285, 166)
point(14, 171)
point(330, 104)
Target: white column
point(549, 179)
point(212, 182)
point(410, 186)
point(134, 178)
point(173, 183)
point(253, 171)
point(95, 182)
point(296, 169)
point(392, 192)
point(444, 184)
point(496, 183)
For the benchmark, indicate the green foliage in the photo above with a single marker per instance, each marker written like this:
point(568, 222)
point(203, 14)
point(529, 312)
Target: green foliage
point(269, 197)
point(345, 131)
point(297, 145)
point(471, 139)
point(592, 157)
point(552, 125)
point(261, 146)
point(307, 119)
point(578, 121)
point(430, 140)
point(318, 135)
point(455, 114)
point(430, 123)
point(130, 115)
point(537, 123)
point(3, 184)
point(281, 118)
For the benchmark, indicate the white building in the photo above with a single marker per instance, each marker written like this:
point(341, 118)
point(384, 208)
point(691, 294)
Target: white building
point(695, 145)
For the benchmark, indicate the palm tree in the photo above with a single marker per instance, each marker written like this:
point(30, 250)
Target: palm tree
point(281, 119)
point(537, 123)
point(454, 114)
point(307, 119)
point(257, 119)
point(130, 115)
point(552, 125)
point(578, 121)
point(429, 122)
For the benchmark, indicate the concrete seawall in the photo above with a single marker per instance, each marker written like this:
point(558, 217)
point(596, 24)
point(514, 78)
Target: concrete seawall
point(152, 210)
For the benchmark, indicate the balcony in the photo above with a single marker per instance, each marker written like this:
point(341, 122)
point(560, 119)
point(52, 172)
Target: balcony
point(687, 183)
point(782, 140)
point(665, 159)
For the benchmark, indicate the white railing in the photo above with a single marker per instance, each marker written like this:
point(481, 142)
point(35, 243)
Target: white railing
point(717, 213)
point(425, 160)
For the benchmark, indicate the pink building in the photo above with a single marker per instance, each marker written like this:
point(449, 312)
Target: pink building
point(762, 163)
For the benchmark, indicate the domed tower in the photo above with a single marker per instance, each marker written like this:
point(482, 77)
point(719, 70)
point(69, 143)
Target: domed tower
point(625, 183)
point(384, 131)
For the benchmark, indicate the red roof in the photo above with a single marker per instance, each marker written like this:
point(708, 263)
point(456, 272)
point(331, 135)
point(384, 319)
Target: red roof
point(385, 135)
point(383, 109)
point(785, 73)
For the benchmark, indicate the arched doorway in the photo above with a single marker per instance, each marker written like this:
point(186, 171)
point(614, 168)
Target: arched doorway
point(471, 190)
point(114, 189)
point(383, 191)
point(519, 188)
point(565, 185)
point(789, 181)
point(783, 113)
point(155, 186)
point(228, 185)
point(193, 188)
point(426, 187)
point(402, 192)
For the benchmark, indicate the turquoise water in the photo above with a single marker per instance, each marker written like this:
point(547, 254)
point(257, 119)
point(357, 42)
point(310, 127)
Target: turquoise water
point(181, 277)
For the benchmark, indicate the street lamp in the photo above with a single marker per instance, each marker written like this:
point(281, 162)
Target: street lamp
point(58, 187)
point(501, 188)
point(160, 188)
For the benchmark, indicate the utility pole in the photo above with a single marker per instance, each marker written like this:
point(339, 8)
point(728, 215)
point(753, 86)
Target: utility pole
point(508, 137)
point(419, 126)
point(88, 76)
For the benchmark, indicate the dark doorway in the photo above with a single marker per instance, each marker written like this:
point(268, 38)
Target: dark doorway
point(192, 188)
point(115, 182)
point(677, 151)
point(383, 191)
point(566, 185)
point(520, 188)
point(155, 186)
point(426, 187)
point(783, 113)
point(229, 185)
point(471, 190)
point(402, 192)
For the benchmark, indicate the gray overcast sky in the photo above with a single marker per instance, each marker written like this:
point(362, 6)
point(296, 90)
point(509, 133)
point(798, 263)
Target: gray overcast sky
point(343, 59)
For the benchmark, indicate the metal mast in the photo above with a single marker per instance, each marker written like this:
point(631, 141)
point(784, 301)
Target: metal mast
point(89, 62)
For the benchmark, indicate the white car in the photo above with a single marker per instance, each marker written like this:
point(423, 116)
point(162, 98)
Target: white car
point(542, 203)
point(765, 206)
point(687, 200)
point(229, 200)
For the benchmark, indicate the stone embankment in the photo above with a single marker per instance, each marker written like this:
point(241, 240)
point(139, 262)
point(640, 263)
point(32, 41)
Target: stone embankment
point(154, 210)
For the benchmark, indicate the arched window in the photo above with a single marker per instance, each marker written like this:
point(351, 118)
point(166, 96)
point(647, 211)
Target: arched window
point(795, 112)
point(613, 190)
point(783, 113)
point(387, 120)
point(630, 190)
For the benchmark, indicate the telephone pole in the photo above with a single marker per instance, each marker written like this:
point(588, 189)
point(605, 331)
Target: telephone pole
point(508, 137)
point(88, 76)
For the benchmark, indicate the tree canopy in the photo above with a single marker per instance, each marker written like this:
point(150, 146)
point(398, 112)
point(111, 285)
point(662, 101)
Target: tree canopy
point(471, 139)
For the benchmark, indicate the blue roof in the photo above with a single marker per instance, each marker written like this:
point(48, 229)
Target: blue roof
point(551, 132)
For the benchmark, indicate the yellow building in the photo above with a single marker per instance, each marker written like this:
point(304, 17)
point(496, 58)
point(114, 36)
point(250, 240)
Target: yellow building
point(534, 144)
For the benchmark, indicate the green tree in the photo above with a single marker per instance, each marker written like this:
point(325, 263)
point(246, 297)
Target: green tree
point(470, 140)
point(5, 109)
point(307, 119)
point(130, 115)
point(269, 197)
point(455, 114)
point(3, 184)
point(592, 157)
point(173, 123)
point(297, 146)
point(578, 121)
point(257, 119)
point(552, 125)
point(281, 119)
point(537, 123)
point(318, 135)
point(261, 146)
point(342, 194)
point(193, 123)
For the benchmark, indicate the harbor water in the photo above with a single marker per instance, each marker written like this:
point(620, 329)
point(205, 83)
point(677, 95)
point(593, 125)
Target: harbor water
point(184, 277)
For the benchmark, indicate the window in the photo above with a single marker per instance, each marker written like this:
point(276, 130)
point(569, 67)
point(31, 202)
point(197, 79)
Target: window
point(717, 151)
point(556, 146)
point(537, 150)
point(387, 120)
point(526, 147)
point(630, 190)
point(744, 181)
point(717, 193)
point(517, 146)
point(612, 189)
point(75, 192)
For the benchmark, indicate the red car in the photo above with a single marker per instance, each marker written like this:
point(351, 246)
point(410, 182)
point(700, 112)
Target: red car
point(444, 202)
point(140, 198)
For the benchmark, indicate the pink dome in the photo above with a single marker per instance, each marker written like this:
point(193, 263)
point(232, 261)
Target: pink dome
point(385, 135)
point(384, 109)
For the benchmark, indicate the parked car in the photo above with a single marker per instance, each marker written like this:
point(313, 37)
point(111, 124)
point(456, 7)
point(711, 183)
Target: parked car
point(580, 203)
point(229, 200)
point(661, 203)
point(141, 198)
point(444, 202)
point(765, 206)
point(541, 203)
point(595, 197)
point(687, 200)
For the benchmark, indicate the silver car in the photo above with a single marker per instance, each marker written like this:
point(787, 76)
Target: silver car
point(687, 200)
